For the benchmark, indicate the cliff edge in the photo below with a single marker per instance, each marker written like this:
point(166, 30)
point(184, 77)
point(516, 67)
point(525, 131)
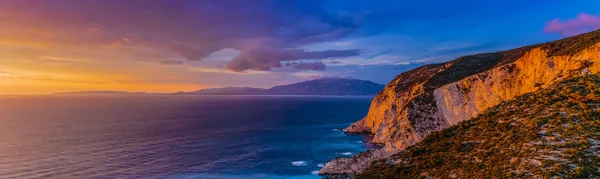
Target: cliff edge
point(551, 133)
point(433, 97)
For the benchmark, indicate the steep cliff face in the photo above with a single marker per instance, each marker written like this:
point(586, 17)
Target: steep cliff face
point(433, 97)
point(551, 133)
point(467, 98)
point(430, 98)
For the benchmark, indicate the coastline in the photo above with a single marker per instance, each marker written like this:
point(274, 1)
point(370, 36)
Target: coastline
point(347, 167)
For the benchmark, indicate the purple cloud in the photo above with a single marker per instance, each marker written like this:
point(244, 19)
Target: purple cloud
point(581, 24)
point(171, 62)
point(191, 29)
point(263, 59)
point(316, 66)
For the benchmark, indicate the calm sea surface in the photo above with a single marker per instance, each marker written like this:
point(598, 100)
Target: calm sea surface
point(153, 136)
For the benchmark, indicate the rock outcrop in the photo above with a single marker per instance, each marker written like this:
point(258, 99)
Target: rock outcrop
point(433, 97)
point(357, 164)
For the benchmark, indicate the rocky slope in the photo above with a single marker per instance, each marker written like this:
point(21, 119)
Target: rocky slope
point(551, 133)
point(354, 165)
point(434, 97)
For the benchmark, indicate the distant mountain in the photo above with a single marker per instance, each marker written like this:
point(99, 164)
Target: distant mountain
point(228, 91)
point(102, 92)
point(328, 86)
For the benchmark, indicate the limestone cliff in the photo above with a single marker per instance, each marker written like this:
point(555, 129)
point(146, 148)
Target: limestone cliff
point(553, 132)
point(433, 97)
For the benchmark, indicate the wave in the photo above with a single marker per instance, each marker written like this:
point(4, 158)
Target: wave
point(339, 129)
point(315, 172)
point(345, 153)
point(299, 163)
point(321, 165)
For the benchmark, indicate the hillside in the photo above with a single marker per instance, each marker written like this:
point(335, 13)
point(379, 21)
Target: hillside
point(328, 86)
point(228, 91)
point(434, 97)
point(554, 132)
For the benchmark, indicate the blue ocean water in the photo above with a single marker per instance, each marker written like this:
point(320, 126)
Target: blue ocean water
point(153, 136)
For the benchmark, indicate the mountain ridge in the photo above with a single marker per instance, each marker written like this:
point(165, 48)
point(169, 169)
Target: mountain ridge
point(323, 86)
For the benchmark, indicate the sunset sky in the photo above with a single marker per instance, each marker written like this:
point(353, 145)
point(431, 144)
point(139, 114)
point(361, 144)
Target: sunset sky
point(167, 46)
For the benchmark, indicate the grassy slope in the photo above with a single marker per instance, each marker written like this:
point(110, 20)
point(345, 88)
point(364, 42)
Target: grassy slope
point(554, 132)
point(465, 66)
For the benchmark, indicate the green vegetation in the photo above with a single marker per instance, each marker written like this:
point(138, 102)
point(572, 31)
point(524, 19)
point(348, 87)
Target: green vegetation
point(465, 66)
point(572, 45)
point(551, 133)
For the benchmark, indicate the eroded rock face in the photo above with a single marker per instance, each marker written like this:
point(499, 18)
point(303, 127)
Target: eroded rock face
point(467, 98)
point(411, 107)
point(358, 127)
point(433, 97)
point(357, 164)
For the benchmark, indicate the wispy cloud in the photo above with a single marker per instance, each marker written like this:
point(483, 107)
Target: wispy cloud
point(581, 24)
point(93, 29)
point(171, 62)
point(317, 66)
point(44, 32)
point(264, 59)
point(51, 59)
point(46, 77)
point(6, 74)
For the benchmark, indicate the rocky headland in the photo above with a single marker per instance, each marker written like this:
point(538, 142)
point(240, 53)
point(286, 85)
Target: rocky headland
point(434, 97)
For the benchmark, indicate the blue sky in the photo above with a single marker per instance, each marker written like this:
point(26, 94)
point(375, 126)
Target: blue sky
point(439, 31)
point(162, 46)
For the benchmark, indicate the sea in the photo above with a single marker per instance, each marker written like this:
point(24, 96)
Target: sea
point(170, 136)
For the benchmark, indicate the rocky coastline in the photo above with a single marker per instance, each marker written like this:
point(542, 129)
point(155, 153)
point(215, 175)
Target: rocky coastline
point(348, 167)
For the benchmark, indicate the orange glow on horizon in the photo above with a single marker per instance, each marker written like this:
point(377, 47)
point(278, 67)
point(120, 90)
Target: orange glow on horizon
point(36, 86)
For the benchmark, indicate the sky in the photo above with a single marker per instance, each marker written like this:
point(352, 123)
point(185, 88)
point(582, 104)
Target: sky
point(51, 46)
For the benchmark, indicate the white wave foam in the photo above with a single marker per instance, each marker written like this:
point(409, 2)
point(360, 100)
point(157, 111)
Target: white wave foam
point(346, 153)
point(299, 163)
point(315, 172)
point(321, 165)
